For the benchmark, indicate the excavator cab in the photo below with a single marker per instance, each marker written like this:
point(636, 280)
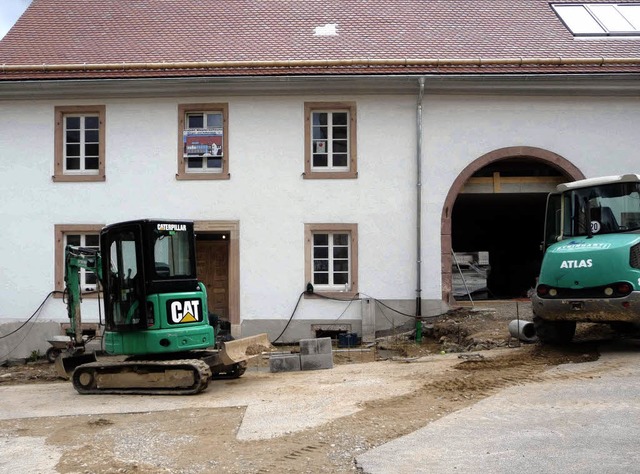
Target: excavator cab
point(153, 301)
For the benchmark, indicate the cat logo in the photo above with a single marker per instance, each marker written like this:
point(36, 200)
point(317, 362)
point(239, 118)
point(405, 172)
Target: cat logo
point(184, 311)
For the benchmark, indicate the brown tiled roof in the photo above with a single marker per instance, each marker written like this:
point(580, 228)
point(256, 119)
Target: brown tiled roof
point(210, 32)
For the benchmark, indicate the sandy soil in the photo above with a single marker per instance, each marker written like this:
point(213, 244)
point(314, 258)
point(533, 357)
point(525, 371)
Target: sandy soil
point(482, 358)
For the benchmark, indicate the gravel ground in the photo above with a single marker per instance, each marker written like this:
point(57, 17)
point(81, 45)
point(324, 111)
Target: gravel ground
point(298, 422)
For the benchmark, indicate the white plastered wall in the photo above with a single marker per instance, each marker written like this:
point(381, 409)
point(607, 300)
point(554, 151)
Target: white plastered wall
point(269, 197)
point(596, 134)
point(266, 194)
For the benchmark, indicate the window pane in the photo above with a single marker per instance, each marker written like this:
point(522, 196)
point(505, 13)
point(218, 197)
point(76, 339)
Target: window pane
point(341, 265)
point(320, 265)
point(90, 278)
point(92, 240)
point(73, 150)
point(319, 118)
point(339, 146)
point(73, 123)
point(341, 252)
point(195, 162)
point(320, 133)
point(91, 163)
point(320, 239)
point(171, 253)
point(611, 18)
point(339, 118)
point(340, 278)
point(73, 239)
point(340, 132)
point(73, 136)
point(91, 136)
point(632, 14)
point(320, 252)
point(341, 239)
point(214, 120)
point(340, 160)
point(91, 149)
point(214, 162)
point(195, 121)
point(320, 278)
point(73, 163)
point(91, 122)
point(578, 19)
point(320, 146)
point(320, 160)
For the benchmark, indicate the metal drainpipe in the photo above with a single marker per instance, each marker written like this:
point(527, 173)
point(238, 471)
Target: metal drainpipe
point(419, 213)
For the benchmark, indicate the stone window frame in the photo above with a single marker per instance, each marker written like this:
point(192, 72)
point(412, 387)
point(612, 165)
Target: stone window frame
point(59, 174)
point(352, 229)
point(183, 109)
point(350, 107)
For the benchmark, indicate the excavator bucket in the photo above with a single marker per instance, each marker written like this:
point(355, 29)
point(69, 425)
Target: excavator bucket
point(240, 350)
point(66, 363)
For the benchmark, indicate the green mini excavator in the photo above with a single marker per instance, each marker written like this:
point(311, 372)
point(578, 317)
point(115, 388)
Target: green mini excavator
point(155, 313)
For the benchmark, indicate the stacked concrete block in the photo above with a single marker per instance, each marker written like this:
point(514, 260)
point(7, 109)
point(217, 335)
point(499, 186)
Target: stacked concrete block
point(316, 354)
point(283, 362)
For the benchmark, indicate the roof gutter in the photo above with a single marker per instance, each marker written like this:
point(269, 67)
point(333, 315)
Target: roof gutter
point(313, 63)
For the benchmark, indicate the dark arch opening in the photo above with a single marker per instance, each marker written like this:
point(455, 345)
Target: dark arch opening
point(502, 224)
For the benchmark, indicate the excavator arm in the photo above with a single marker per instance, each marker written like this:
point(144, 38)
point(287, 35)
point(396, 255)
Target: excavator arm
point(77, 258)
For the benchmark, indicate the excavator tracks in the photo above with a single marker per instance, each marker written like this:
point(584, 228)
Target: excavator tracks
point(170, 377)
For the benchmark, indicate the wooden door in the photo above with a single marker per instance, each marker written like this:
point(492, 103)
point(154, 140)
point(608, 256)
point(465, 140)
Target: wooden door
point(212, 260)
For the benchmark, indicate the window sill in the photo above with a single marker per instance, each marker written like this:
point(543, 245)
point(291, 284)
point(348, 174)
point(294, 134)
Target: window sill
point(330, 175)
point(69, 178)
point(202, 176)
point(339, 295)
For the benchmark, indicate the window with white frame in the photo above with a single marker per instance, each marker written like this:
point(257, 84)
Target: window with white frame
point(78, 235)
point(203, 151)
point(332, 257)
point(330, 140)
point(80, 143)
point(600, 19)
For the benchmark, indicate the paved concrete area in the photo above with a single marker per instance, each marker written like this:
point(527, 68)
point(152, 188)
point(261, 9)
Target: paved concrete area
point(586, 419)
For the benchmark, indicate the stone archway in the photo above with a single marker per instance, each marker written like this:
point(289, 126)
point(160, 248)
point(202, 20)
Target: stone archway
point(532, 153)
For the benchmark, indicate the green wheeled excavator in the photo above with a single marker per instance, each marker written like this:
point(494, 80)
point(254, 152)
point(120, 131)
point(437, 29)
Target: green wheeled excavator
point(155, 313)
point(591, 267)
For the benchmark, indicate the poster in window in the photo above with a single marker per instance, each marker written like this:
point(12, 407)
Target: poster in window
point(200, 142)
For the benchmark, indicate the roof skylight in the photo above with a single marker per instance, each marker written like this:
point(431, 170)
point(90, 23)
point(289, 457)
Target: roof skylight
point(600, 19)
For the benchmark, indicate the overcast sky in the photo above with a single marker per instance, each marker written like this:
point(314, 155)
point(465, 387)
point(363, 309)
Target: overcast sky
point(10, 11)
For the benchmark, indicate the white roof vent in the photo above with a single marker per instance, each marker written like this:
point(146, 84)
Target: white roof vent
point(330, 29)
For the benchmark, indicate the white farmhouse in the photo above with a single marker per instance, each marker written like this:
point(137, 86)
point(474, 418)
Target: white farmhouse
point(344, 147)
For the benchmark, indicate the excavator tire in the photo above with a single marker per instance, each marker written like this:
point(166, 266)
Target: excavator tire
point(169, 377)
